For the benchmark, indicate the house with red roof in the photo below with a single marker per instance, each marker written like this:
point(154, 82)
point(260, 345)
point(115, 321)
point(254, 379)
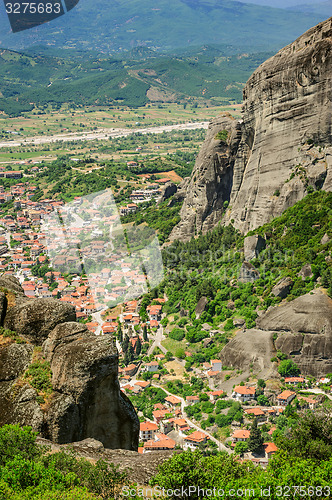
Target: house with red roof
point(191, 400)
point(181, 425)
point(294, 380)
point(147, 430)
point(270, 449)
point(194, 440)
point(159, 415)
point(243, 393)
point(153, 366)
point(216, 365)
point(240, 435)
point(258, 413)
point(285, 398)
point(172, 401)
point(161, 442)
point(214, 395)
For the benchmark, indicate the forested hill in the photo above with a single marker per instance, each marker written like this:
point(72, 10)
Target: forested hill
point(116, 25)
point(40, 77)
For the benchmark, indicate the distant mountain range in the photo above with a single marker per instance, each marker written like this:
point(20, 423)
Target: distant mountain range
point(112, 26)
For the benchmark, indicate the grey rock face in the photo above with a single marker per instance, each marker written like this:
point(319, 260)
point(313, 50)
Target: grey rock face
point(35, 318)
point(304, 328)
point(251, 348)
point(14, 359)
point(253, 245)
point(11, 283)
point(140, 468)
point(282, 288)
point(325, 239)
point(201, 306)
point(282, 145)
point(306, 272)
point(88, 398)
point(86, 401)
point(306, 314)
point(248, 274)
point(304, 331)
point(210, 184)
point(169, 190)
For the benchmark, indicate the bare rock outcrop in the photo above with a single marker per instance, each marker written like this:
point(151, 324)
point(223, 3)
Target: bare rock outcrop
point(311, 313)
point(88, 400)
point(283, 287)
point(252, 246)
point(302, 329)
point(138, 467)
point(248, 274)
point(36, 318)
point(168, 190)
point(83, 399)
point(209, 188)
point(282, 145)
point(250, 349)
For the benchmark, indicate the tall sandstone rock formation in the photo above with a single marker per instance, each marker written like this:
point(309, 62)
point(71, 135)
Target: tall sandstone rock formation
point(282, 145)
point(84, 400)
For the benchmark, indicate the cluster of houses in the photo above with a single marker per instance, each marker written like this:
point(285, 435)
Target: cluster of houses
point(148, 193)
point(24, 247)
point(167, 417)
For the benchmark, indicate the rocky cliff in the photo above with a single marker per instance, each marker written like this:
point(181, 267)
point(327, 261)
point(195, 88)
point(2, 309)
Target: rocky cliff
point(57, 376)
point(250, 171)
point(301, 329)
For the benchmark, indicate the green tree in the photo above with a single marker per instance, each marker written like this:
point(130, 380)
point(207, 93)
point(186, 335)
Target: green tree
point(310, 437)
point(288, 368)
point(263, 400)
point(168, 356)
point(255, 441)
point(241, 447)
point(261, 383)
point(145, 333)
point(120, 334)
point(125, 343)
point(138, 346)
point(17, 441)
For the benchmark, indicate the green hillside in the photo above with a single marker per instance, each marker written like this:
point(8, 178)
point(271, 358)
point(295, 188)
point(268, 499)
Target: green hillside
point(209, 265)
point(30, 79)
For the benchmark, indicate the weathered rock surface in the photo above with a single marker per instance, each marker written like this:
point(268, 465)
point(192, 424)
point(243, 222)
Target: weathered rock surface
point(169, 190)
point(311, 313)
point(210, 184)
point(35, 318)
point(139, 467)
point(283, 287)
point(250, 348)
point(201, 306)
point(306, 272)
point(86, 401)
point(11, 283)
point(253, 245)
point(303, 328)
point(88, 398)
point(248, 274)
point(282, 145)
